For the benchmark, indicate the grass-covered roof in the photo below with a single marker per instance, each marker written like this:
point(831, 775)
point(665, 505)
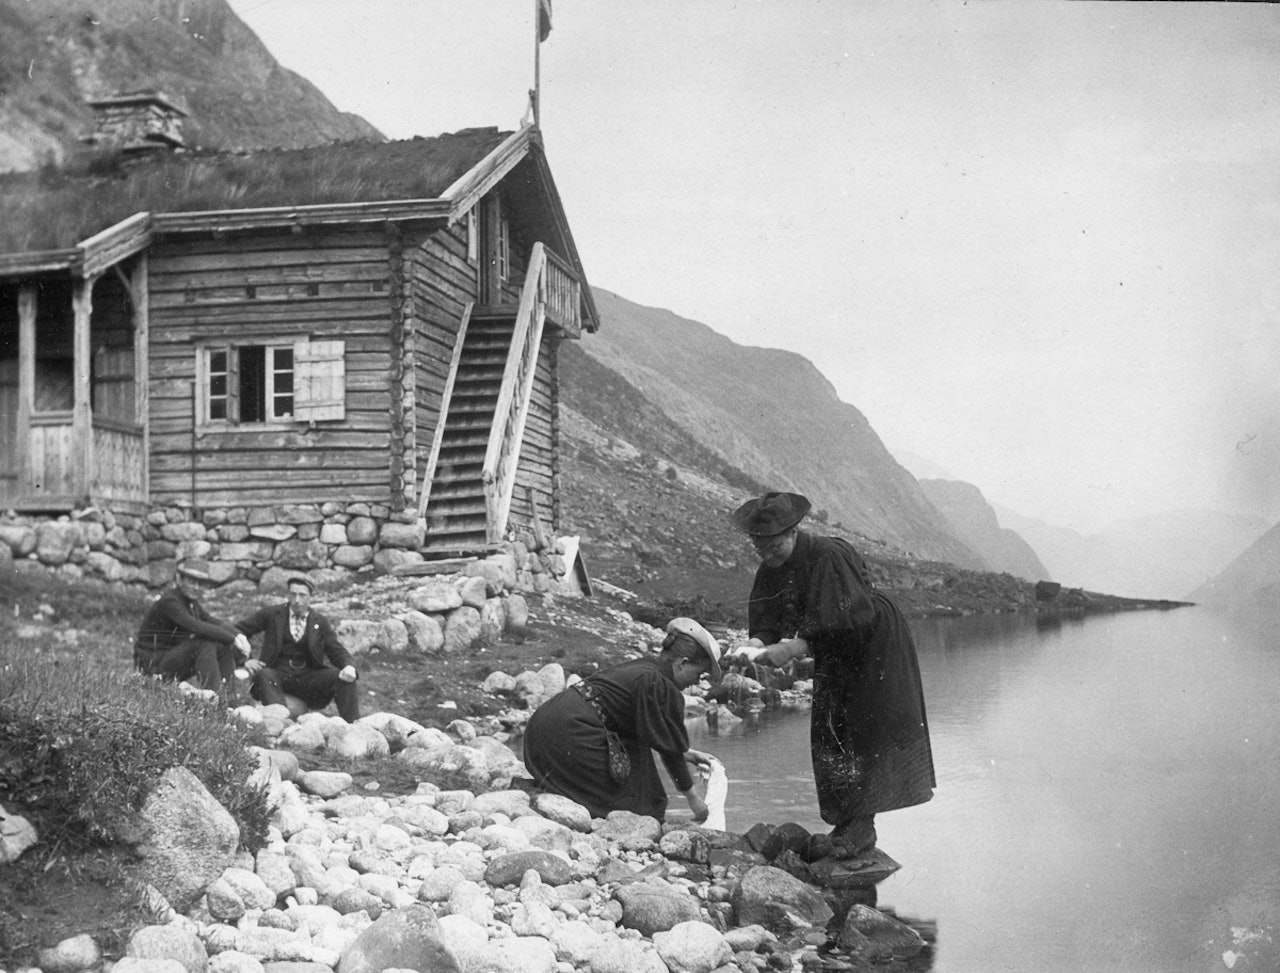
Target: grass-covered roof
point(56, 208)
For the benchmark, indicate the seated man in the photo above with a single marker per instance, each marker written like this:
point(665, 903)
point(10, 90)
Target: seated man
point(295, 644)
point(179, 639)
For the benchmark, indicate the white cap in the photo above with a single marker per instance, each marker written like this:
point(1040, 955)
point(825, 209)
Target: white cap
point(687, 626)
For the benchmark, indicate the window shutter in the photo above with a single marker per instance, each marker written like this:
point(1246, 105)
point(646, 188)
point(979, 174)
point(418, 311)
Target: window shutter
point(319, 380)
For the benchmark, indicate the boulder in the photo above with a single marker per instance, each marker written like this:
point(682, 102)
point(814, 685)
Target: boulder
point(563, 810)
point(325, 783)
point(651, 907)
point(692, 947)
point(17, 834)
point(169, 942)
point(407, 939)
point(874, 937)
point(462, 630)
point(189, 841)
point(424, 631)
point(772, 898)
point(509, 869)
point(70, 955)
point(356, 741)
point(435, 597)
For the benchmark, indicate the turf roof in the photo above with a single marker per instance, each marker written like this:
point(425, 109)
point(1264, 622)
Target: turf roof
point(56, 208)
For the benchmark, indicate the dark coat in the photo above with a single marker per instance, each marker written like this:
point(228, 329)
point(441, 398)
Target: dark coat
point(868, 732)
point(173, 618)
point(321, 641)
point(566, 749)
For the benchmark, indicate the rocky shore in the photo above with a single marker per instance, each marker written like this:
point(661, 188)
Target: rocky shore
point(469, 873)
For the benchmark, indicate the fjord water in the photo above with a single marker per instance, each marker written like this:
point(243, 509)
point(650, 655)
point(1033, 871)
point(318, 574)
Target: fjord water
point(1108, 790)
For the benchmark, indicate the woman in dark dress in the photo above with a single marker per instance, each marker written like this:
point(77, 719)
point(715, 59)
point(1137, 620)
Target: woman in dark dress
point(566, 745)
point(868, 733)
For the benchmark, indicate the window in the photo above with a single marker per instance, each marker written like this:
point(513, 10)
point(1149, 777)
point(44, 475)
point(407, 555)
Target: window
point(302, 381)
point(504, 249)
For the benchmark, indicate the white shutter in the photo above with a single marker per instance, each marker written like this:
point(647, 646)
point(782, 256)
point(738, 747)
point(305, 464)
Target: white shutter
point(319, 380)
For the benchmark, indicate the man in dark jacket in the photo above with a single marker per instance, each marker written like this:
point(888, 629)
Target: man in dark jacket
point(297, 646)
point(179, 639)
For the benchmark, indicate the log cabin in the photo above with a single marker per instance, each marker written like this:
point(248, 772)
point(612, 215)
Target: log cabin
point(368, 328)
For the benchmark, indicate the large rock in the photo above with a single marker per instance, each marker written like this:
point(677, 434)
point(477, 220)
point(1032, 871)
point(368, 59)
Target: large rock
point(425, 634)
point(509, 869)
point(652, 907)
point(692, 947)
point(772, 898)
point(872, 936)
point(358, 635)
point(189, 841)
point(17, 834)
point(462, 630)
point(435, 597)
point(70, 955)
point(518, 954)
point(55, 540)
point(452, 767)
point(407, 536)
point(563, 810)
point(357, 741)
point(170, 942)
point(407, 939)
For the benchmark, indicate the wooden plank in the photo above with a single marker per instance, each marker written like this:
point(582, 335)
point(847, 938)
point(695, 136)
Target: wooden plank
point(82, 433)
point(468, 188)
point(267, 264)
point(227, 221)
point(35, 262)
point(116, 243)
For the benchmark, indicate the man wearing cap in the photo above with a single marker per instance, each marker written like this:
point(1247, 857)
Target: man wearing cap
point(868, 733)
point(640, 704)
point(298, 645)
point(179, 639)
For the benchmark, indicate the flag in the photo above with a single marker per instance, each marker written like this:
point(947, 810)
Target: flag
point(544, 19)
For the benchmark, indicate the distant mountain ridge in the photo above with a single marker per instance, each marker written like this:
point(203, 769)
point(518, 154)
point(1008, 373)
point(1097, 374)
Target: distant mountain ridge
point(1250, 585)
point(975, 523)
point(773, 416)
point(55, 54)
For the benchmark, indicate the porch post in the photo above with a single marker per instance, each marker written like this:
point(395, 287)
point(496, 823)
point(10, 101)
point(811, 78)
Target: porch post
point(26, 384)
point(81, 415)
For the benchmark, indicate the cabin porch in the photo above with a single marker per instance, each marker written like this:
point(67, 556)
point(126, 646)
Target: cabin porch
point(72, 411)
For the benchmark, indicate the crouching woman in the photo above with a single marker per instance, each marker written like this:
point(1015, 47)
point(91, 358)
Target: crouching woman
point(594, 742)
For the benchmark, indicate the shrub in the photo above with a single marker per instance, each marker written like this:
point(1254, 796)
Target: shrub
point(84, 738)
point(86, 748)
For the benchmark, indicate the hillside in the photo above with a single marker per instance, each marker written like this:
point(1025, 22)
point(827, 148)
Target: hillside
point(56, 53)
point(975, 523)
point(1250, 585)
point(774, 416)
point(651, 505)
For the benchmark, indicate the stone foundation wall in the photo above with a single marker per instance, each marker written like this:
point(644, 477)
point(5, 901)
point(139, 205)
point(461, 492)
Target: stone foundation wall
point(263, 545)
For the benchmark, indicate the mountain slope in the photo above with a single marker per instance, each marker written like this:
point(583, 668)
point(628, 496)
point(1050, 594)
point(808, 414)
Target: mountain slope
point(56, 53)
point(772, 415)
point(1249, 585)
point(975, 523)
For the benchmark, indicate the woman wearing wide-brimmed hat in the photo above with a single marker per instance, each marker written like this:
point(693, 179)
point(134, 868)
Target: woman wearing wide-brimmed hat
point(868, 733)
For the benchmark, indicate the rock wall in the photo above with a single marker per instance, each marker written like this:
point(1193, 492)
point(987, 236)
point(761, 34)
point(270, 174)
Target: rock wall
point(262, 545)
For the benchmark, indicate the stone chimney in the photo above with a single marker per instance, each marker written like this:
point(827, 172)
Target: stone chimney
point(137, 123)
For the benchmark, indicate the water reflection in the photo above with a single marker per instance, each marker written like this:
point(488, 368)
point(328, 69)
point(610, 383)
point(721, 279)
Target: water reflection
point(1106, 788)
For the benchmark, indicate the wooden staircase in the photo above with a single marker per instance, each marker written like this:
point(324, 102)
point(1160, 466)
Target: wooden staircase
point(457, 517)
point(471, 470)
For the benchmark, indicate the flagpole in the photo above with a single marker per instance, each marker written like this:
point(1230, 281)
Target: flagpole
point(537, 63)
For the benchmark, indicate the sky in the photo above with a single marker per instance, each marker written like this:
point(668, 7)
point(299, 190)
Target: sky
point(1036, 244)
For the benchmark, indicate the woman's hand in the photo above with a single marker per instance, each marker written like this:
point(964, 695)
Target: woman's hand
point(698, 758)
point(697, 805)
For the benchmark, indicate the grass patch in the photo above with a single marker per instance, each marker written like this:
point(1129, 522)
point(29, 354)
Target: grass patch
point(84, 740)
point(94, 189)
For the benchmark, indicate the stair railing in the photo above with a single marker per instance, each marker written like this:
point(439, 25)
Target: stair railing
point(446, 398)
point(507, 433)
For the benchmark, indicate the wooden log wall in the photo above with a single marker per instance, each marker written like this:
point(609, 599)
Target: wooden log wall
point(259, 289)
point(443, 281)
